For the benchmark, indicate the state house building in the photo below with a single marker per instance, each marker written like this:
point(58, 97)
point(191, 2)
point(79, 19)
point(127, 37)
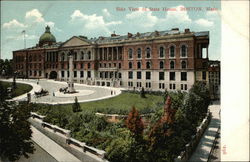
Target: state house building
point(157, 60)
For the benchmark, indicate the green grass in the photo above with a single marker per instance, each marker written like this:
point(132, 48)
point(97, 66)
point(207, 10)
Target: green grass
point(20, 88)
point(121, 104)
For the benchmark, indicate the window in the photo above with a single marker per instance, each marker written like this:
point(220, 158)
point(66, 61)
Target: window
point(75, 74)
point(120, 75)
point(89, 55)
point(109, 64)
point(130, 75)
point(105, 65)
point(74, 66)
point(130, 84)
point(81, 74)
point(101, 76)
point(148, 75)
point(183, 64)
point(170, 86)
point(114, 64)
point(138, 75)
point(161, 64)
point(185, 86)
point(161, 86)
point(204, 75)
point(148, 85)
point(161, 52)
point(183, 76)
point(139, 53)
point(82, 55)
point(138, 65)
point(148, 65)
point(82, 65)
point(172, 51)
point(172, 75)
point(148, 52)
point(183, 51)
point(130, 65)
point(62, 73)
point(171, 64)
point(130, 53)
point(138, 84)
point(161, 75)
point(120, 65)
point(181, 86)
point(88, 65)
point(75, 56)
point(173, 86)
point(89, 74)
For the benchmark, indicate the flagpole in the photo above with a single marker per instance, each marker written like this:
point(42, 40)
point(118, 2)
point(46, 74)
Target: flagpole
point(24, 38)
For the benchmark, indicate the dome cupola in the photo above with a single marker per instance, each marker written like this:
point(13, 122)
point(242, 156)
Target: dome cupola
point(47, 37)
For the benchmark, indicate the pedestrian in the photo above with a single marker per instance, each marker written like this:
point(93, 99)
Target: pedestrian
point(53, 94)
point(111, 92)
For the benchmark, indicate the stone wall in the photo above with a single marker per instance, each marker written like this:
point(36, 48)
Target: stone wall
point(190, 147)
point(62, 137)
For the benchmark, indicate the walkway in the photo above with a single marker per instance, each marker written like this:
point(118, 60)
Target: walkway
point(89, 93)
point(204, 148)
point(56, 151)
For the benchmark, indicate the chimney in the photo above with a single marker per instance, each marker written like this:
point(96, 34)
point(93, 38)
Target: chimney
point(137, 34)
point(187, 31)
point(175, 29)
point(130, 35)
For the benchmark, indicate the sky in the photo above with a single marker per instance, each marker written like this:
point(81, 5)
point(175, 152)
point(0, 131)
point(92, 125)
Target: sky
point(101, 18)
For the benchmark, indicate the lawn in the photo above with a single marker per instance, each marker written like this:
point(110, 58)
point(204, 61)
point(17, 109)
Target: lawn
point(20, 88)
point(121, 104)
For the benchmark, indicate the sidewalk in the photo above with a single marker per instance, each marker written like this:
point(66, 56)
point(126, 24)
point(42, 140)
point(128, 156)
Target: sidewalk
point(206, 143)
point(56, 151)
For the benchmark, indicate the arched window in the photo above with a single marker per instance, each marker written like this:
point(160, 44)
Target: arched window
point(183, 51)
point(139, 53)
point(138, 65)
point(161, 52)
point(172, 51)
point(183, 64)
point(130, 53)
point(148, 52)
point(171, 64)
point(148, 65)
point(130, 65)
point(161, 64)
point(89, 55)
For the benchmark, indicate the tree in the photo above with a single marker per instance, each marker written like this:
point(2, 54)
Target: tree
point(143, 93)
point(76, 106)
point(134, 123)
point(15, 136)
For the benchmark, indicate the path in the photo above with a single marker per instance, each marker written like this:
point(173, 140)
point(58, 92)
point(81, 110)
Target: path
point(97, 92)
point(205, 145)
point(56, 151)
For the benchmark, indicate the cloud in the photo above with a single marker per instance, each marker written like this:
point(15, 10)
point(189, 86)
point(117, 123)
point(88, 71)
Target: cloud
point(13, 24)
point(204, 22)
point(20, 37)
point(35, 15)
point(142, 18)
point(106, 12)
point(178, 15)
point(92, 22)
